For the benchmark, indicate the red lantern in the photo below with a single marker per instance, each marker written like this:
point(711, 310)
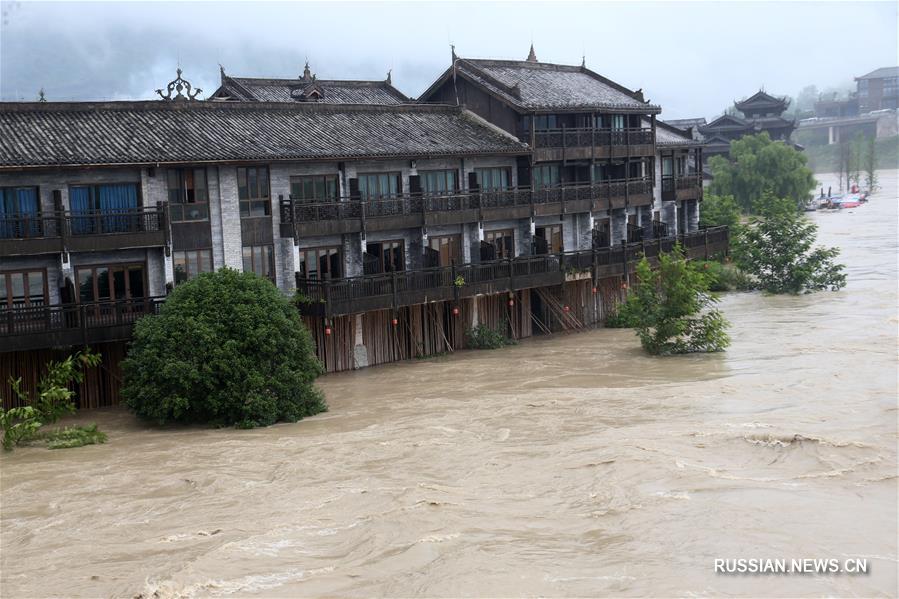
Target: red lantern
point(395, 322)
point(327, 330)
point(594, 290)
point(511, 302)
point(455, 311)
point(566, 309)
point(623, 285)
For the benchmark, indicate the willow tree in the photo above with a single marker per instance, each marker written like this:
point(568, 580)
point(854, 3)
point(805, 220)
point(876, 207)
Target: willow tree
point(757, 165)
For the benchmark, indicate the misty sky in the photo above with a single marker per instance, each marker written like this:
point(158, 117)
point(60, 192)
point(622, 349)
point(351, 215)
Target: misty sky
point(693, 58)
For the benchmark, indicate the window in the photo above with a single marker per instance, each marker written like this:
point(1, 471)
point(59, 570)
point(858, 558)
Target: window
point(19, 212)
point(320, 263)
point(891, 86)
point(314, 188)
point(546, 121)
point(492, 179)
point(105, 283)
point(438, 181)
point(385, 256)
point(93, 207)
point(253, 192)
point(373, 186)
point(190, 263)
point(260, 260)
point(617, 121)
point(545, 175)
point(667, 166)
point(503, 242)
point(188, 194)
point(23, 289)
point(549, 240)
point(444, 249)
point(863, 88)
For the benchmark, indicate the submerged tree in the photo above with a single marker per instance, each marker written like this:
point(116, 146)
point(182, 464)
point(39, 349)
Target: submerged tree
point(672, 310)
point(227, 348)
point(720, 211)
point(776, 249)
point(870, 163)
point(757, 166)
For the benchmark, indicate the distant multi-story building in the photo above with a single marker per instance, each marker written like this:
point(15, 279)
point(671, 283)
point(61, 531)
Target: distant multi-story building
point(402, 224)
point(878, 90)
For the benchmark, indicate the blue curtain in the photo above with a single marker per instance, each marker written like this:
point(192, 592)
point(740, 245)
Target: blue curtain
point(80, 206)
point(7, 227)
point(19, 213)
point(29, 211)
point(118, 199)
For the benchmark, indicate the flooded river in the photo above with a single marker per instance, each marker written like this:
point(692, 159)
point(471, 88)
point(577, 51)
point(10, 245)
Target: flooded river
point(566, 466)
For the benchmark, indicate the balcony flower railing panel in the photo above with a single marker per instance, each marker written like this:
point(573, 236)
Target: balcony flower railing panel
point(407, 204)
point(581, 138)
point(57, 224)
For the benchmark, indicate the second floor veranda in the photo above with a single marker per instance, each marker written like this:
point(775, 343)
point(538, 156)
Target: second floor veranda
point(63, 230)
point(411, 210)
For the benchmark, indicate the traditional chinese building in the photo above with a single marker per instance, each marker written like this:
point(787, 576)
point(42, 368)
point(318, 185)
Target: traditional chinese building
point(761, 112)
point(401, 225)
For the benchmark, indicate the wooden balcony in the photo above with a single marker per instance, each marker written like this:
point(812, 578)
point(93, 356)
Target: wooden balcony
point(326, 298)
point(687, 187)
point(300, 218)
point(37, 327)
point(584, 144)
point(65, 231)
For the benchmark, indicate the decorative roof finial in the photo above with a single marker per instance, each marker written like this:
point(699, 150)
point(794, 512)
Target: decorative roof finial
point(178, 84)
point(532, 57)
point(307, 74)
point(40, 96)
point(583, 61)
point(453, 50)
point(389, 82)
point(222, 72)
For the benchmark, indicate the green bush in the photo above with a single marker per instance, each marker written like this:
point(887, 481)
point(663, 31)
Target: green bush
point(725, 276)
point(672, 309)
point(19, 425)
point(227, 348)
point(53, 399)
point(74, 436)
point(484, 337)
point(720, 211)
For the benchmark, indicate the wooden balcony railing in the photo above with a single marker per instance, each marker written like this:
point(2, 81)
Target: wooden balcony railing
point(684, 187)
point(299, 211)
point(58, 231)
point(586, 137)
point(331, 297)
point(32, 327)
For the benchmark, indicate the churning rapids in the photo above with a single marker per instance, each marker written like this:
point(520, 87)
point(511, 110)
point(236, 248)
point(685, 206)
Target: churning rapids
point(565, 466)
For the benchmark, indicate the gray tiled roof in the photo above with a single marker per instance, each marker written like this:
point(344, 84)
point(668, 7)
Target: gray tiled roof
point(333, 91)
point(82, 133)
point(668, 135)
point(537, 85)
point(683, 123)
point(881, 73)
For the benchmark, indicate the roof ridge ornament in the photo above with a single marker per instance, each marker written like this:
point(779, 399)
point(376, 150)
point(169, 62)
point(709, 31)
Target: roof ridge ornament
point(389, 81)
point(40, 96)
point(532, 56)
point(179, 84)
point(307, 73)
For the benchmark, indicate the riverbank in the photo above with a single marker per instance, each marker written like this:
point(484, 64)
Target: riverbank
point(566, 466)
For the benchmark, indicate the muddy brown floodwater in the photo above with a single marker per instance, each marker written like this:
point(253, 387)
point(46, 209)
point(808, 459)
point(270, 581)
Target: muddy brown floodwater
point(565, 466)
